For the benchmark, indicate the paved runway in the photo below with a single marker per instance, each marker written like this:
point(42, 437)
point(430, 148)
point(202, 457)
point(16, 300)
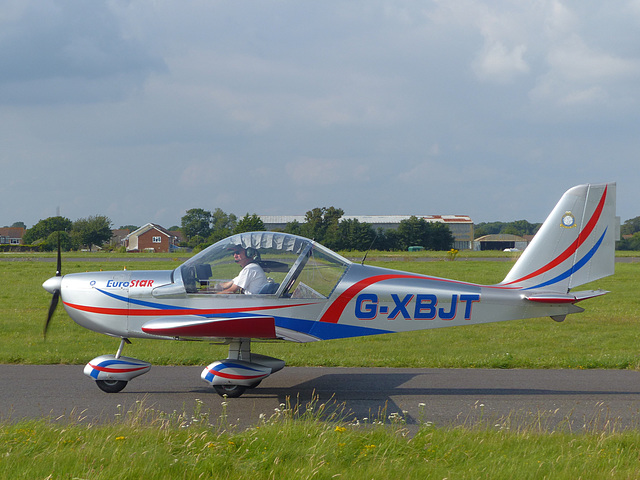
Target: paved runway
point(576, 399)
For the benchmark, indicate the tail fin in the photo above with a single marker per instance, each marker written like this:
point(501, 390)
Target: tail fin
point(575, 244)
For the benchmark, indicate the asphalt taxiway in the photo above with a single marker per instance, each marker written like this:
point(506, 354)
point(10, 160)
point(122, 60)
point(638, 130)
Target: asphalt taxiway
point(549, 399)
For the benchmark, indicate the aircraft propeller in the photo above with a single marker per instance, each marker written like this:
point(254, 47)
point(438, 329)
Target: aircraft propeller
point(53, 285)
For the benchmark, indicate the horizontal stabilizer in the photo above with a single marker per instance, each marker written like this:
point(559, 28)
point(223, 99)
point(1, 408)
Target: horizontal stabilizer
point(565, 297)
point(191, 326)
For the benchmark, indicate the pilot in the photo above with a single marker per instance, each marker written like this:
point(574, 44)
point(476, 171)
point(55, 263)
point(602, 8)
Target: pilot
point(251, 278)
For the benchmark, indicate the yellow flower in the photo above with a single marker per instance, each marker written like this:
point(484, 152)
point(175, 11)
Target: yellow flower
point(340, 429)
point(120, 438)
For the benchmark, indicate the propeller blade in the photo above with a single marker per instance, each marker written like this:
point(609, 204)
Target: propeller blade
point(56, 292)
point(52, 309)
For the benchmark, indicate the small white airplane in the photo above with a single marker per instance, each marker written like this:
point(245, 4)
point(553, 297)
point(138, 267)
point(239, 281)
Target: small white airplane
point(309, 293)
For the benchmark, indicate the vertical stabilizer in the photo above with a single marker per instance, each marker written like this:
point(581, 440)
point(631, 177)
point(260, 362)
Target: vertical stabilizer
point(575, 244)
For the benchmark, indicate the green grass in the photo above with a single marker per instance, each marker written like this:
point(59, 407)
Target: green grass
point(316, 441)
point(605, 336)
point(308, 442)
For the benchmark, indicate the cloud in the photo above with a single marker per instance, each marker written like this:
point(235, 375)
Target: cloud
point(579, 75)
point(318, 172)
point(68, 51)
point(369, 105)
point(499, 64)
point(205, 174)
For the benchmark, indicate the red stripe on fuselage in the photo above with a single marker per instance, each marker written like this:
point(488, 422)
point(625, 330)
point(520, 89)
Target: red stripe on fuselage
point(173, 312)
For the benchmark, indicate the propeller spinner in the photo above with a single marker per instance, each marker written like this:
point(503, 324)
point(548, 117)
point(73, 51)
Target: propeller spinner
point(53, 285)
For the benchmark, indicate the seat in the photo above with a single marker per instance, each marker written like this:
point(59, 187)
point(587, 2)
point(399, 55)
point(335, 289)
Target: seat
point(269, 289)
point(203, 273)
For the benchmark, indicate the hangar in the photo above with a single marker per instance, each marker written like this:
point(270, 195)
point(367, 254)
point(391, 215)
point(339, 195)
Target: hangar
point(500, 242)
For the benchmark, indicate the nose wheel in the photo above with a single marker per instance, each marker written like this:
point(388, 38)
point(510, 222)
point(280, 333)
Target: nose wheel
point(112, 372)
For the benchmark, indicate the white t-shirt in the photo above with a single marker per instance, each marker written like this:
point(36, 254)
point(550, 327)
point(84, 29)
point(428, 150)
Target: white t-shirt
point(251, 279)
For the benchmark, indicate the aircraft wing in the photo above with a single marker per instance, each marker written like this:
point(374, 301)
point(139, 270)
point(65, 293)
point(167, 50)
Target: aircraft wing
point(193, 326)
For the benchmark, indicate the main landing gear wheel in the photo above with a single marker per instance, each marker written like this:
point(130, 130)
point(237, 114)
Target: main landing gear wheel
point(229, 391)
point(111, 386)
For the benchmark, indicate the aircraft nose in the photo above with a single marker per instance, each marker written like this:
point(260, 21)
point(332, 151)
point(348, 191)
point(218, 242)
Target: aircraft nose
point(52, 284)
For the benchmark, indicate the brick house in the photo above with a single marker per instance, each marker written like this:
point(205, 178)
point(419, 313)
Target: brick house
point(11, 235)
point(150, 238)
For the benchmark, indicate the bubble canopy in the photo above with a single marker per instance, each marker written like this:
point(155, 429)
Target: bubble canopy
point(295, 266)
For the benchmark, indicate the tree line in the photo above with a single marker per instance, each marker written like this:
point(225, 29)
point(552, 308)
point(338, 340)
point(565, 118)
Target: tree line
point(630, 235)
point(518, 227)
point(324, 225)
point(84, 232)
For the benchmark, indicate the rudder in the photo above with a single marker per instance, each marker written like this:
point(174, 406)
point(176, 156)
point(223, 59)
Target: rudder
point(575, 244)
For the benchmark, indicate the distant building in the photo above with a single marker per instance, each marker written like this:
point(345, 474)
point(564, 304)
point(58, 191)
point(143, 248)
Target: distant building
point(118, 236)
point(11, 235)
point(150, 238)
point(500, 242)
point(180, 238)
point(461, 226)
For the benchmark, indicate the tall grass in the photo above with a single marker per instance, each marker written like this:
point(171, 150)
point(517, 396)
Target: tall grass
point(309, 441)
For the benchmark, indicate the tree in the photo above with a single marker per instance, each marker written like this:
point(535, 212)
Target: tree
point(196, 222)
point(321, 225)
point(518, 227)
point(631, 243)
point(19, 225)
point(94, 230)
point(41, 230)
point(249, 223)
point(419, 232)
point(440, 237)
point(411, 232)
point(131, 228)
point(222, 225)
point(51, 242)
point(293, 227)
point(630, 226)
point(387, 240)
point(353, 235)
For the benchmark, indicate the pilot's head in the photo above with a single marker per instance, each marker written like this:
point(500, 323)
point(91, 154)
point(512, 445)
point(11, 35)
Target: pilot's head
point(240, 256)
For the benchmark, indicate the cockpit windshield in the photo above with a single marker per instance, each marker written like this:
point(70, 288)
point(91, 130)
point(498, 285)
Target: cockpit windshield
point(293, 266)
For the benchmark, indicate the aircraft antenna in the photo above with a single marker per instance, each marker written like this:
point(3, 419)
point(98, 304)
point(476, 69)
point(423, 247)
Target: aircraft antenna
point(367, 252)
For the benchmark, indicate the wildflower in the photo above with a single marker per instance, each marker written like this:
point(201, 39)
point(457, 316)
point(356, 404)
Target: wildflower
point(120, 438)
point(340, 429)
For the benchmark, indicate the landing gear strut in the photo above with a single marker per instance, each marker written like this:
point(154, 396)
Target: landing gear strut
point(241, 370)
point(113, 372)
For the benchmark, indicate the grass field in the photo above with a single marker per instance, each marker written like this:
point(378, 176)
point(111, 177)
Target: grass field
point(143, 443)
point(606, 335)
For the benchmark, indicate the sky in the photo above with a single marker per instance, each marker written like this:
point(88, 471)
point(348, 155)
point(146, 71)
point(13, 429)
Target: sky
point(141, 110)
